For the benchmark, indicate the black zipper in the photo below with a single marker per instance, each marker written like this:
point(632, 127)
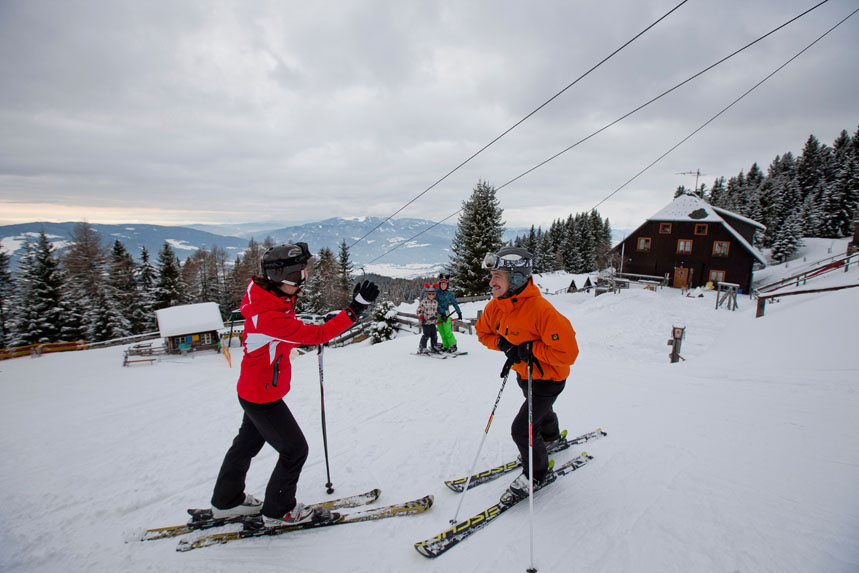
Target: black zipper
point(276, 371)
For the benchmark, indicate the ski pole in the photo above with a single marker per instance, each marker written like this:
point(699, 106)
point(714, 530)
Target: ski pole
point(328, 485)
point(531, 569)
point(482, 440)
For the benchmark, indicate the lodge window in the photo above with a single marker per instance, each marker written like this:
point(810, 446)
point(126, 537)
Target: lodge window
point(717, 276)
point(644, 243)
point(206, 338)
point(664, 228)
point(701, 228)
point(684, 247)
point(720, 248)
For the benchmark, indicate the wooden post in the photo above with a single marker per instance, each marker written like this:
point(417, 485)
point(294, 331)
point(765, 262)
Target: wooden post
point(762, 303)
point(676, 340)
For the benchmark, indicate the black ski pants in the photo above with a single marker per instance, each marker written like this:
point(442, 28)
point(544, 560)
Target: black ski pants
point(270, 423)
point(430, 332)
point(543, 396)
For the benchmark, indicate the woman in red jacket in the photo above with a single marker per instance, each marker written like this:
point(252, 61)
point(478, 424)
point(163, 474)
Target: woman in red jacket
point(271, 332)
point(526, 327)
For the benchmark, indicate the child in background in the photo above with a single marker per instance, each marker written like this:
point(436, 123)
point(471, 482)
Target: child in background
point(427, 310)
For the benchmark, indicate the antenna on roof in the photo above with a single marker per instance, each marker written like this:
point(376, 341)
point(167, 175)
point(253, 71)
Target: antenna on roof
point(697, 173)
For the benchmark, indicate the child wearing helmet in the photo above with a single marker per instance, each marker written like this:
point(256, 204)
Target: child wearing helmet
point(445, 299)
point(272, 331)
point(539, 343)
point(427, 310)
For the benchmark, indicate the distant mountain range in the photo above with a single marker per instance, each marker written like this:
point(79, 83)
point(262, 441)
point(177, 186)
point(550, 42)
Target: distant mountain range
point(427, 253)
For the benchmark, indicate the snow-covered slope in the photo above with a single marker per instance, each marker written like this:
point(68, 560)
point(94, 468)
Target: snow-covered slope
point(743, 457)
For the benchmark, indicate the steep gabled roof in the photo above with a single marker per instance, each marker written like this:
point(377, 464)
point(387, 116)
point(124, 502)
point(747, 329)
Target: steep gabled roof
point(189, 319)
point(690, 208)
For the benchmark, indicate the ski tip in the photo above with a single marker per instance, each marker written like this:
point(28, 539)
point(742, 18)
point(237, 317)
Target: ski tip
point(456, 487)
point(600, 430)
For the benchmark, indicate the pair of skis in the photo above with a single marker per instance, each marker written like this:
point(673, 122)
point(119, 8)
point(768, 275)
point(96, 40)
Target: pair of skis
point(443, 355)
point(438, 544)
point(202, 519)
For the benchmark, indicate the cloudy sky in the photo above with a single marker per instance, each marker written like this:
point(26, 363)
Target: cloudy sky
point(177, 112)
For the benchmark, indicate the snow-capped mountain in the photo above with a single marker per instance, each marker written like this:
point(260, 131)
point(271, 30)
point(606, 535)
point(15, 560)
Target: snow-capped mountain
point(417, 254)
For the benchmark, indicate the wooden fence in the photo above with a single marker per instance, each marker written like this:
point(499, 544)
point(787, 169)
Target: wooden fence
point(39, 349)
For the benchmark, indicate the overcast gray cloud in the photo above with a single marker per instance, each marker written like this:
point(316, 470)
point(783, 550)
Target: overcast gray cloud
point(209, 112)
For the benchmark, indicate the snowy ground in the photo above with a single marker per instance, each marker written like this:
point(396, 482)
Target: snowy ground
point(744, 457)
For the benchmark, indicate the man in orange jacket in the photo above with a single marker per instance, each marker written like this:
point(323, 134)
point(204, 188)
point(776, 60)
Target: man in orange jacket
point(526, 327)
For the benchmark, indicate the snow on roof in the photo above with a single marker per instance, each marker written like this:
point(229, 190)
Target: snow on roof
point(688, 208)
point(691, 208)
point(188, 319)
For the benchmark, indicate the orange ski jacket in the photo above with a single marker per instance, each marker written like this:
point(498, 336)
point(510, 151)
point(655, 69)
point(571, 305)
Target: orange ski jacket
point(529, 317)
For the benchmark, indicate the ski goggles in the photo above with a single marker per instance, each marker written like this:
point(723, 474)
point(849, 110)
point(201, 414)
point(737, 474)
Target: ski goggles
point(509, 261)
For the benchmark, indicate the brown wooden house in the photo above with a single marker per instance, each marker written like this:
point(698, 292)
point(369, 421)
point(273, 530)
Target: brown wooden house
point(693, 243)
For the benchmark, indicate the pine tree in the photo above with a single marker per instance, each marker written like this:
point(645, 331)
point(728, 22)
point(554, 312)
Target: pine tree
point(788, 239)
point(168, 288)
point(478, 232)
point(144, 312)
point(122, 289)
point(384, 319)
point(344, 267)
point(39, 314)
point(7, 288)
point(322, 293)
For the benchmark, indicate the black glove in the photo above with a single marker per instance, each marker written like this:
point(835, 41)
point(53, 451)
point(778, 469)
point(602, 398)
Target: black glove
point(365, 293)
point(516, 353)
point(458, 315)
point(503, 344)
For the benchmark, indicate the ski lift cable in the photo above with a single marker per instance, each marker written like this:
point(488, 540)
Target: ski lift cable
point(729, 106)
point(518, 123)
point(663, 94)
point(639, 108)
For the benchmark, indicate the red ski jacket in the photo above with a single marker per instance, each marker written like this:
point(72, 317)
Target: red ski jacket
point(271, 332)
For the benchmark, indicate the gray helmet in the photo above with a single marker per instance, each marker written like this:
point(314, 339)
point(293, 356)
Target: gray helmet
point(515, 261)
point(286, 263)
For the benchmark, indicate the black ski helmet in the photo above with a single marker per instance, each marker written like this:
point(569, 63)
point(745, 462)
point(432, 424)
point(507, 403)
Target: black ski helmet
point(286, 264)
point(515, 261)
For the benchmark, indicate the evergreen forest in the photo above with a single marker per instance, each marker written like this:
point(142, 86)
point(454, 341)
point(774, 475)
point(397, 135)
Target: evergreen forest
point(95, 293)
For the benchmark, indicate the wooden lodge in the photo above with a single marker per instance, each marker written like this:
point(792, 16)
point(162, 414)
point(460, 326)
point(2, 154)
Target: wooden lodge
point(693, 243)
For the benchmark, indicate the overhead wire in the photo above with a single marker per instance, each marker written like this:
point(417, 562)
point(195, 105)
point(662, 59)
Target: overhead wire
point(726, 108)
point(637, 109)
point(518, 123)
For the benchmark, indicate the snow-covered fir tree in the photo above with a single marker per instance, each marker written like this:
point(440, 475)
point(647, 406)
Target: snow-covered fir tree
point(6, 290)
point(122, 289)
point(478, 232)
point(384, 322)
point(323, 292)
point(168, 288)
point(39, 313)
point(144, 311)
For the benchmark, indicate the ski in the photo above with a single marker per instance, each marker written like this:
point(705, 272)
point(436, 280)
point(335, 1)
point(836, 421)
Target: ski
point(458, 485)
point(439, 356)
point(435, 546)
point(396, 510)
point(202, 518)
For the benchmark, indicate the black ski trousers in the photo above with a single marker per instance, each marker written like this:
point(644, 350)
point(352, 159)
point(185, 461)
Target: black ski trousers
point(543, 396)
point(430, 332)
point(270, 423)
